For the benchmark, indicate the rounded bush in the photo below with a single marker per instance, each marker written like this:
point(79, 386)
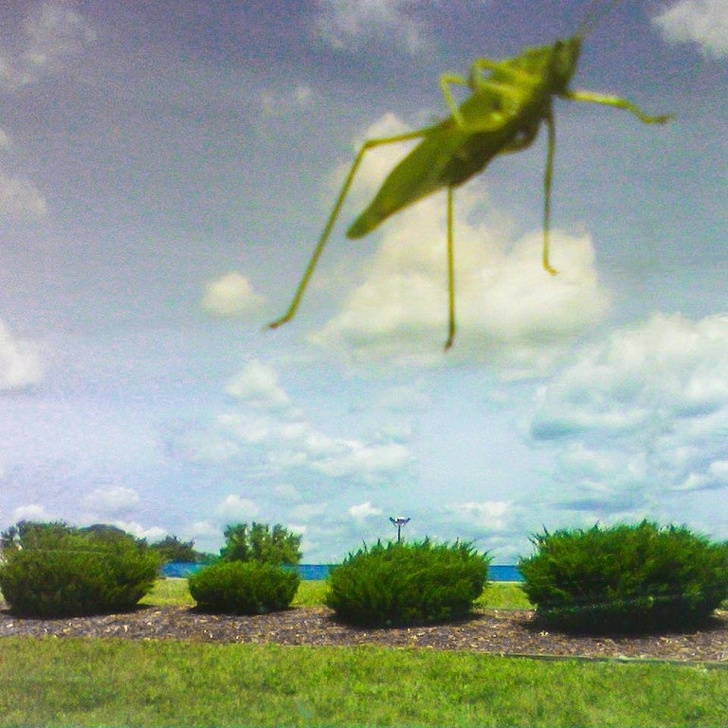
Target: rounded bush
point(79, 577)
point(239, 587)
point(406, 584)
point(625, 579)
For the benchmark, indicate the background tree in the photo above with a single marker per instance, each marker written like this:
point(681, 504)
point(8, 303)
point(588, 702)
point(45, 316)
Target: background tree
point(9, 539)
point(109, 535)
point(278, 547)
point(58, 534)
point(170, 548)
point(34, 534)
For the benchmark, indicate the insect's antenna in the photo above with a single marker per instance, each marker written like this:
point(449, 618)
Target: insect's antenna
point(596, 11)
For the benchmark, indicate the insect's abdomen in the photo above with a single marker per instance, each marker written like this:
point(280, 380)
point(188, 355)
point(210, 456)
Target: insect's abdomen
point(442, 159)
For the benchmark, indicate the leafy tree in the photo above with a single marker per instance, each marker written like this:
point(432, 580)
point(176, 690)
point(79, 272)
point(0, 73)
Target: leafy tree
point(9, 539)
point(58, 534)
point(170, 548)
point(109, 535)
point(260, 544)
point(34, 534)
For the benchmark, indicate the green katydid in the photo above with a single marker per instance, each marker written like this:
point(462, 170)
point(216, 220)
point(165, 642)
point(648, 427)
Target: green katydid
point(502, 115)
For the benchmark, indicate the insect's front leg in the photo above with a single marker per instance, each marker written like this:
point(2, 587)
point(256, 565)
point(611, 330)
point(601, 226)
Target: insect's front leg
point(617, 103)
point(446, 80)
point(517, 76)
point(319, 249)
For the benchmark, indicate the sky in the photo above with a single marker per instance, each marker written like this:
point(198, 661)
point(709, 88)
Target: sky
point(166, 169)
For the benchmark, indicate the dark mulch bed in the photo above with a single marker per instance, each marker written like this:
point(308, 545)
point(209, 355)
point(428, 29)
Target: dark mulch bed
point(488, 631)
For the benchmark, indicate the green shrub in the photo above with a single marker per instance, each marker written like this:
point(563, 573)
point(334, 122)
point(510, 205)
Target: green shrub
point(404, 584)
point(238, 587)
point(628, 578)
point(63, 572)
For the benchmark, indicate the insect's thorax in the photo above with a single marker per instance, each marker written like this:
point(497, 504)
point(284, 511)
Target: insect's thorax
point(507, 107)
point(520, 86)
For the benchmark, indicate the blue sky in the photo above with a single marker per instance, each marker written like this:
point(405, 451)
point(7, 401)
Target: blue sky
point(165, 171)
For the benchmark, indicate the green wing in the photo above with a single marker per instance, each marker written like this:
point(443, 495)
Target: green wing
point(498, 119)
point(447, 157)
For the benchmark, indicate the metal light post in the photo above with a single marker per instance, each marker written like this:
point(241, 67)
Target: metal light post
point(399, 521)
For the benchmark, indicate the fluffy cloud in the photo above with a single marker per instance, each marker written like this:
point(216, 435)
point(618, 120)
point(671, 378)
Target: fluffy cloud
point(19, 362)
point(236, 509)
point(19, 197)
point(487, 515)
point(279, 104)
point(400, 406)
point(352, 459)
point(364, 510)
point(704, 22)
point(510, 312)
point(111, 502)
point(641, 379)
point(31, 512)
point(49, 35)
point(352, 25)
point(151, 534)
point(266, 422)
point(307, 512)
point(232, 295)
point(257, 386)
point(297, 444)
point(642, 414)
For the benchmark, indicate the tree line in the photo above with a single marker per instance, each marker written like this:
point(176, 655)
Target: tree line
point(255, 542)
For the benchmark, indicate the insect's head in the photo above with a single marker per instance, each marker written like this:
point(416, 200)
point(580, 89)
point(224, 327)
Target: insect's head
point(564, 59)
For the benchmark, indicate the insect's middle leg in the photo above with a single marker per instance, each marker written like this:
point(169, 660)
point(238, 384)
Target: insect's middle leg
point(450, 271)
point(447, 80)
point(547, 178)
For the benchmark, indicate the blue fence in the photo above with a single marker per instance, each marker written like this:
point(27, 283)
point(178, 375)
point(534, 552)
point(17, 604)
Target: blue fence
point(315, 572)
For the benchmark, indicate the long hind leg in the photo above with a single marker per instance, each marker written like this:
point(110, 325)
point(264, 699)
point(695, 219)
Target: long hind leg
point(319, 249)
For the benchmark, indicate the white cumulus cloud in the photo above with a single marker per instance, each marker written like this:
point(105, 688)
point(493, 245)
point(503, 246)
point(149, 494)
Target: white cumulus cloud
point(267, 422)
point(277, 103)
point(353, 459)
point(257, 386)
point(510, 312)
point(352, 25)
point(151, 534)
point(486, 515)
point(364, 510)
point(639, 415)
point(20, 198)
point(20, 365)
point(307, 512)
point(704, 22)
point(236, 508)
point(31, 512)
point(231, 295)
point(641, 379)
point(111, 502)
point(50, 34)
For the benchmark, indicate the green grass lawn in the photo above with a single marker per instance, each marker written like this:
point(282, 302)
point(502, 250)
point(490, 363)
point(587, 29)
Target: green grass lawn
point(174, 592)
point(74, 682)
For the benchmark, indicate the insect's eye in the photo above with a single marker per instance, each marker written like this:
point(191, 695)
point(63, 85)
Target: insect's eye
point(564, 60)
